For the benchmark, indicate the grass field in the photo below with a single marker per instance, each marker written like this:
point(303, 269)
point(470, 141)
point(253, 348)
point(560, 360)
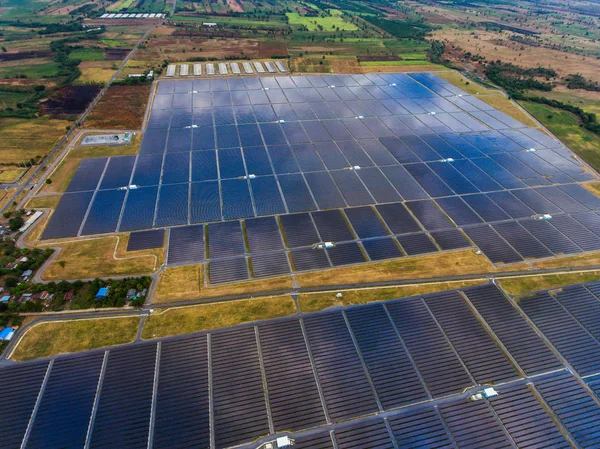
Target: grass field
point(566, 127)
point(313, 302)
point(90, 258)
point(23, 139)
point(238, 21)
point(11, 174)
point(34, 71)
point(49, 339)
point(394, 63)
point(186, 282)
point(44, 202)
point(87, 54)
point(11, 99)
point(526, 284)
point(333, 23)
point(183, 320)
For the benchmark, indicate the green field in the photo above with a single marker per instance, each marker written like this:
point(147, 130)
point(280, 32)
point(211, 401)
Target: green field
point(334, 23)
point(10, 99)
point(233, 21)
point(34, 71)
point(566, 127)
point(394, 63)
point(87, 54)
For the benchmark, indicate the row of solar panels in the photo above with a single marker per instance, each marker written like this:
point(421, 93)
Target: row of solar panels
point(233, 386)
point(222, 68)
point(132, 16)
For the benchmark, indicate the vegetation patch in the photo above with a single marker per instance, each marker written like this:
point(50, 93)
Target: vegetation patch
point(184, 320)
point(318, 23)
point(50, 339)
point(314, 302)
point(527, 284)
point(129, 101)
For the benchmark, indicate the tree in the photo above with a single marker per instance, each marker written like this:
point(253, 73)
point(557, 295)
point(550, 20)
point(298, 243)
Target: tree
point(15, 223)
point(48, 181)
point(11, 282)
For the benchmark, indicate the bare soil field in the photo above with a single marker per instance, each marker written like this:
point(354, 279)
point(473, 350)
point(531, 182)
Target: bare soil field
point(70, 100)
point(235, 6)
point(129, 101)
point(495, 45)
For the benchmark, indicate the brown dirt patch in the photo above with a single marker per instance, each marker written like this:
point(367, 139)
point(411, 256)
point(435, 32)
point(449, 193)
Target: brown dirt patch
point(345, 66)
point(182, 48)
point(235, 6)
point(19, 56)
point(269, 49)
point(115, 54)
point(70, 100)
point(129, 101)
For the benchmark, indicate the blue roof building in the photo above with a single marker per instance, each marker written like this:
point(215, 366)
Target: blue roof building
point(102, 293)
point(7, 333)
point(5, 299)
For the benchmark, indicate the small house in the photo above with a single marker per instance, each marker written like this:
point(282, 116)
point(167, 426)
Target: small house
point(25, 297)
point(4, 299)
point(68, 296)
point(102, 293)
point(45, 295)
point(23, 259)
point(131, 293)
point(7, 333)
point(27, 274)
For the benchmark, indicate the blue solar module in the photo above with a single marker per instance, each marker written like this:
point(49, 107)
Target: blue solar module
point(257, 161)
point(186, 244)
point(458, 211)
point(182, 394)
point(296, 193)
point(394, 376)
point(204, 166)
point(228, 270)
point(299, 230)
point(19, 400)
point(87, 175)
point(377, 152)
point(331, 155)
point(267, 198)
point(565, 333)
point(71, 388)
point(476, 176)
point(380, 249)
point(582, 195)
point(340, 373)
point(284, 352)
point(283, 159)
point(536, 202)
point(582, 305)
point(180, 118)
point(307, 157)
point(372, 435)
point(296, 135)
point(236, 199)
point(485, 207)
point(579, 234)
point(231, 164)
point(574, 407)
point(205, 202)
point(399, 150)
point(263, 234)
point(68, 216)
point(173, 205)
point(309, 259)
point(552, 238)
point(420, 148)
point(159, 119)
point(154, 141)
point(590, 220)
point(123, 410)
point(142, 240)
point(176, 168)
point(237, 385)
point(492, 245)
point(502, 176)
point(565, 202)
point(250, 135)
point(147, 170)
point(324, 190)
point(398, 219)
point(225, 239)
point(345, 254)
point(433, 185)
point(430, 216)
point(352, 188)
point(429, 433)
point(511, 204)
point(104, 212)
point(480, 353)
point(521, 240)
point(526, 347)
point(429, 347)
point(414, 244)
point(332, 226)
point(452, 177)
point(379, 187)
point(118, 172)
point(448, 239)
point(365, 222)
point(139, 209)
point(270, 264)
point(203, 138)
point(227, 136)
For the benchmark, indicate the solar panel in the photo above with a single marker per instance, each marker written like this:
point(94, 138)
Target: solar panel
point(299, 230)
point(521, 240)
point(87, 175)
point(398, 219)
point(270, 264)
point(228, 270)
point(448, 239)
point(142, 240)
point(68, 215)
point(345, 254)
point(380, 249)
point(429, 215)
point(332, 226)
point(414, 244)
point(186, 244)
point(173, 205)
point(492, 245)
point(225, 239)
point(104, 212)
point(365, 222)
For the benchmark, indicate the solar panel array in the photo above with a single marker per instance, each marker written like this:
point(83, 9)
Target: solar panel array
point(366, 145)
point(323, 378)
